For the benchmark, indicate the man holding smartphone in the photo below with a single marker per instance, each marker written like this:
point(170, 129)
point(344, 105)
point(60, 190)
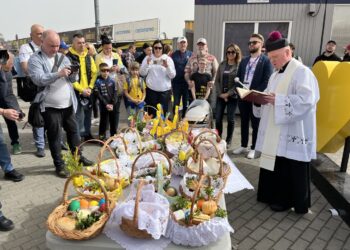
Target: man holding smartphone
point(78, 54)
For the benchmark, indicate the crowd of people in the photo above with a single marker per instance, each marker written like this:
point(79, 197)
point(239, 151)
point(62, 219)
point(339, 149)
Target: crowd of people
point(75, 86)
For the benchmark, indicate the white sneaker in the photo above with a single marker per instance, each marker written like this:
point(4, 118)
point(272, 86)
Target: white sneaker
point(253, 154)
point(240, 150)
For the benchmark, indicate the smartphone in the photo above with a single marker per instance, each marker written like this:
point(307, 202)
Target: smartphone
point(115, 61)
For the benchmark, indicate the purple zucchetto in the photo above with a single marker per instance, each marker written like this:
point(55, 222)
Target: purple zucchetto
point(275, 41)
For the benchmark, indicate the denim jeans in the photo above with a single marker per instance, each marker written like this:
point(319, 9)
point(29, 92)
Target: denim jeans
point(219, 115)
point(5, 158)
point(246, 112)
point(84, 119)
point(39, 137)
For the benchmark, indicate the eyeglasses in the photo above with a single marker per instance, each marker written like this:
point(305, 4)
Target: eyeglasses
point(104, 70)
point(231, 52)
point(157, 47)
point(252, 42)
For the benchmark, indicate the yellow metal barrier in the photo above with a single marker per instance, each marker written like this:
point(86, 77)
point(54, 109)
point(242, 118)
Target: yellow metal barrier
point(333, 109)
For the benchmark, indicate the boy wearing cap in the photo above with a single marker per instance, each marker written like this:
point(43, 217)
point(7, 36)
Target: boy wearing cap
point(287, 131)
point(179, 84)
point(329, 53)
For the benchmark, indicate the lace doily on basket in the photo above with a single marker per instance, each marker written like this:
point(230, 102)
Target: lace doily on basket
point(113, 231)
point(200, 235)
point(153, 211)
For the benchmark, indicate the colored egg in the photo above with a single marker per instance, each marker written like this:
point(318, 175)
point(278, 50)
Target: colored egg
point(101, 201)
point(102, 207)
point(74, 205)
point(93, 203)
point(84, 204)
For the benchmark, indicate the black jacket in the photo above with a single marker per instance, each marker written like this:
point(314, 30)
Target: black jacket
point(7, 98)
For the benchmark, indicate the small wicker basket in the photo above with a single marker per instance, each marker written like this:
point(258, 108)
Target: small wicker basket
point(206, 148)
point(130, 226)
point(59, 211)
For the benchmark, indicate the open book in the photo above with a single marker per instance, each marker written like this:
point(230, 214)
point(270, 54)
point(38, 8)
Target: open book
point(251, 95)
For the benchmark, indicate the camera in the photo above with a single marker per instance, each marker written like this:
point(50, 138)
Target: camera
point(74, 68)
point(4, 56)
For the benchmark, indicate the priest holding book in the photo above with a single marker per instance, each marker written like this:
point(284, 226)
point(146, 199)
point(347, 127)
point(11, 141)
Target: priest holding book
point(287, 130)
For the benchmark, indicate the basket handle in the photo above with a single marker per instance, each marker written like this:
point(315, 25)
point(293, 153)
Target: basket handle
point(194, 197)
point(217, 152)
point(206, 131)
point(148, 152)
point(135, 131)
point(110, 139)
point(70, 178)
point(137, 201)
point(99, 159)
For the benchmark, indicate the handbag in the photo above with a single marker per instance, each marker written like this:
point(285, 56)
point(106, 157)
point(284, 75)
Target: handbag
point(34, 116)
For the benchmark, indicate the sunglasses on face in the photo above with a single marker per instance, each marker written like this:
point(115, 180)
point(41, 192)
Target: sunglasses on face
point(252, 42)
point(231, 52)
point(104, 70)
point(157, 48)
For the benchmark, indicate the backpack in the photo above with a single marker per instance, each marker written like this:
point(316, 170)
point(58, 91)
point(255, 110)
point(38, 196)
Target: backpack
point(29, 89)
point(141, 84)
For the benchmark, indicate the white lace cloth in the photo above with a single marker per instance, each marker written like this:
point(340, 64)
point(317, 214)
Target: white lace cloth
point(235, 181)
point(200, 235)
point(153, 211)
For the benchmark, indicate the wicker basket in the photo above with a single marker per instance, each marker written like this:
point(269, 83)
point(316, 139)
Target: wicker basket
point(184, 138)
point(153, 166)
point(193, 202)
point(206, 148)
point(112, 194)
point(130, 227)
point(59, 211)
point(224, 168)
point(134, 131)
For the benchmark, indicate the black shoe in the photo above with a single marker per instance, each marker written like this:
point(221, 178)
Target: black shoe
point(6, 224)
point(13, 175)
point(62, 173)
point(85, 161)
point(279, 208)
point(40, 152)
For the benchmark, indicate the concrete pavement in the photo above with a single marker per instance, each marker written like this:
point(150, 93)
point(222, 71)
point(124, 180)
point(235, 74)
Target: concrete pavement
point(29, 202)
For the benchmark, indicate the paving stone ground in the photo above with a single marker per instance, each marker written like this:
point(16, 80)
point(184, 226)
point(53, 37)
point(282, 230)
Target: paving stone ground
point(29, 202)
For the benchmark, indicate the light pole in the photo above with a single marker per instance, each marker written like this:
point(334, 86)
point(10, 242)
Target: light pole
point(97, 20)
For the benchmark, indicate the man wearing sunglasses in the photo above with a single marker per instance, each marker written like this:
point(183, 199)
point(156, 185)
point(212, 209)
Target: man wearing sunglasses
point(254, 72)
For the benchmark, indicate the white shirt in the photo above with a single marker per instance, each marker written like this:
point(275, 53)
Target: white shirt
point(158, 77)
point(26, 51)
point(295, 113)
point(59, 94)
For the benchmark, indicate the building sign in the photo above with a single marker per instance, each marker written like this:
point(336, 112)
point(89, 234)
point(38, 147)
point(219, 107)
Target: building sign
point(140, 30)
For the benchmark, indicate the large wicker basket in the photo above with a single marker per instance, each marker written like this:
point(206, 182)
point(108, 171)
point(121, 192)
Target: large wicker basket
point(106, 178)
point(59, 211)
point(168, 135)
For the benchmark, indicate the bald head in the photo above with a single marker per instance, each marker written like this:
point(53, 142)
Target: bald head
point(36, 32)
point(50, 42)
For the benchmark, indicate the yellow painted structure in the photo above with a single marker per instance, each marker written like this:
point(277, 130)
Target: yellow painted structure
point(333, 108)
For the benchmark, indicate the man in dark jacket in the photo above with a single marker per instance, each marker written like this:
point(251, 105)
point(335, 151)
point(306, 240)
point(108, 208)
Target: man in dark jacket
point(329, 53)
point(254, 72)
point(179, 84)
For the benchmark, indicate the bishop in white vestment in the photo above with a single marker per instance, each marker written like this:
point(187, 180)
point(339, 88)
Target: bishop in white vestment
point(287, 130)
